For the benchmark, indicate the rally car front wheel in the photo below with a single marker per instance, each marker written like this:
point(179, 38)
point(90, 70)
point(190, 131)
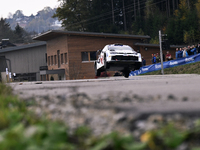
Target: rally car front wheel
point(126, 73)
point(97, 71)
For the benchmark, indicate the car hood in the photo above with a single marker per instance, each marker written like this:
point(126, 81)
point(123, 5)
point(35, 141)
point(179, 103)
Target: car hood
point(125, 51)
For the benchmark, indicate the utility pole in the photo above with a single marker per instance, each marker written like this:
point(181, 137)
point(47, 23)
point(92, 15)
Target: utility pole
point(161, 54)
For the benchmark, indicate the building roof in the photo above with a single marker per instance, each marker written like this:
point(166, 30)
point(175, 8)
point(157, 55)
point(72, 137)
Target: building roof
point(55, 33)
point(22, 47)
point(6, 43)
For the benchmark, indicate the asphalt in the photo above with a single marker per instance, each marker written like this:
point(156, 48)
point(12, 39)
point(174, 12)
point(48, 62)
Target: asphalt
point(160, 93)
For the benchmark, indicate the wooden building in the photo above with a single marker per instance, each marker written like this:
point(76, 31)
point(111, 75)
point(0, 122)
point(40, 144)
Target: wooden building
point(71, 55)
point(24, 61)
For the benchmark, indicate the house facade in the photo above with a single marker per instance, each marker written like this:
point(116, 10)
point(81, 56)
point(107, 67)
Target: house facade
point(71, 55)
point(24, 62)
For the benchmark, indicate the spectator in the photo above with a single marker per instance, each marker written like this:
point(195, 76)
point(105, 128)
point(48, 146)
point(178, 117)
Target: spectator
point(185, 54)
point(154, 59)
point(180, 53)
point(193, 50)
point(168, 56)
point(198, 48)
point(177, 53)
point(157, 58)
point(143, 62)
point(189, 50)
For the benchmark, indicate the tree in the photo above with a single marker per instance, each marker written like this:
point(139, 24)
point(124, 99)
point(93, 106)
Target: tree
point(19, 32)
point(5, 31)
point(184, 25)
point(197, 5)
point(154, 19)
point(88, 15)
point(103, 14)
point(73, 14)
point(177, 18)
point(21, 35)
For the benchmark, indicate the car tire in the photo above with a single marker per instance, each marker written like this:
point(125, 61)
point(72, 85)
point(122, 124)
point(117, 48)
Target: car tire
point(105, 63)
point(97, 71)
point(126, 74)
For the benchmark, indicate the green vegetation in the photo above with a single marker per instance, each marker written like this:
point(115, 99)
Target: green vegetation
point(179, 19)
point(176, 18)
point(19, 35)
point(21, 129)
point(20, 28)
point(193, 68)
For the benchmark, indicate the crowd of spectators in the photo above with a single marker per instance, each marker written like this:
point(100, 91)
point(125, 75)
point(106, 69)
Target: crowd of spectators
point(180, 53)
point(187, 51)
point(156, 58)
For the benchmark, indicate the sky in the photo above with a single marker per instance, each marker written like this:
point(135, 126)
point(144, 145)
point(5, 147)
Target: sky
point(28, 7)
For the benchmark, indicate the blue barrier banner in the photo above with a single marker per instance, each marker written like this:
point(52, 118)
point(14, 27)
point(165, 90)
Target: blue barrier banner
point(167, 64)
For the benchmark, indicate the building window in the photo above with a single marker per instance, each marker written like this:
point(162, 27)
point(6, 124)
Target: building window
point(55, 60)
point(93, 56)
point(51, 60)
point(61, 58)
point(84, 56)
point(88, 56)
point(48, 60)
point(58, 54)
point(46, 57)
point(66, 58)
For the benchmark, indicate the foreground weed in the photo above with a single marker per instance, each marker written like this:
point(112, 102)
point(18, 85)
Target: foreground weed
point(21, 129)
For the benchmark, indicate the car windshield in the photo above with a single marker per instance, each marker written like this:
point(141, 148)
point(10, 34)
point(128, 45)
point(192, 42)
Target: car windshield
point(120, 48)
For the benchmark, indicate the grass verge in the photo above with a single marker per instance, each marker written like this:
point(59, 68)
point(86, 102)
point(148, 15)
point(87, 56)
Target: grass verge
point(21, 129)
point(193, 68)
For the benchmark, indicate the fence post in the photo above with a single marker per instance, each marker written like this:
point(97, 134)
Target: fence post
point(161, 54)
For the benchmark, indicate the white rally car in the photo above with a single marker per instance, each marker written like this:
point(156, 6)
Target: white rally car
point(117, 57)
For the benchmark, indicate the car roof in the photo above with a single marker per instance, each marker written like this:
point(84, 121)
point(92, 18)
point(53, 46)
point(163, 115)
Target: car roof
point(117, 44)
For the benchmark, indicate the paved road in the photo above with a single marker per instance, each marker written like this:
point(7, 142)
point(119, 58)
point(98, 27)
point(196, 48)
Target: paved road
point(160, 94)
point(120, 104)
point(162, 86)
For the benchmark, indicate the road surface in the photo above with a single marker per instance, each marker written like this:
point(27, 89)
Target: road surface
point(182, 87)
point(117, 103)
